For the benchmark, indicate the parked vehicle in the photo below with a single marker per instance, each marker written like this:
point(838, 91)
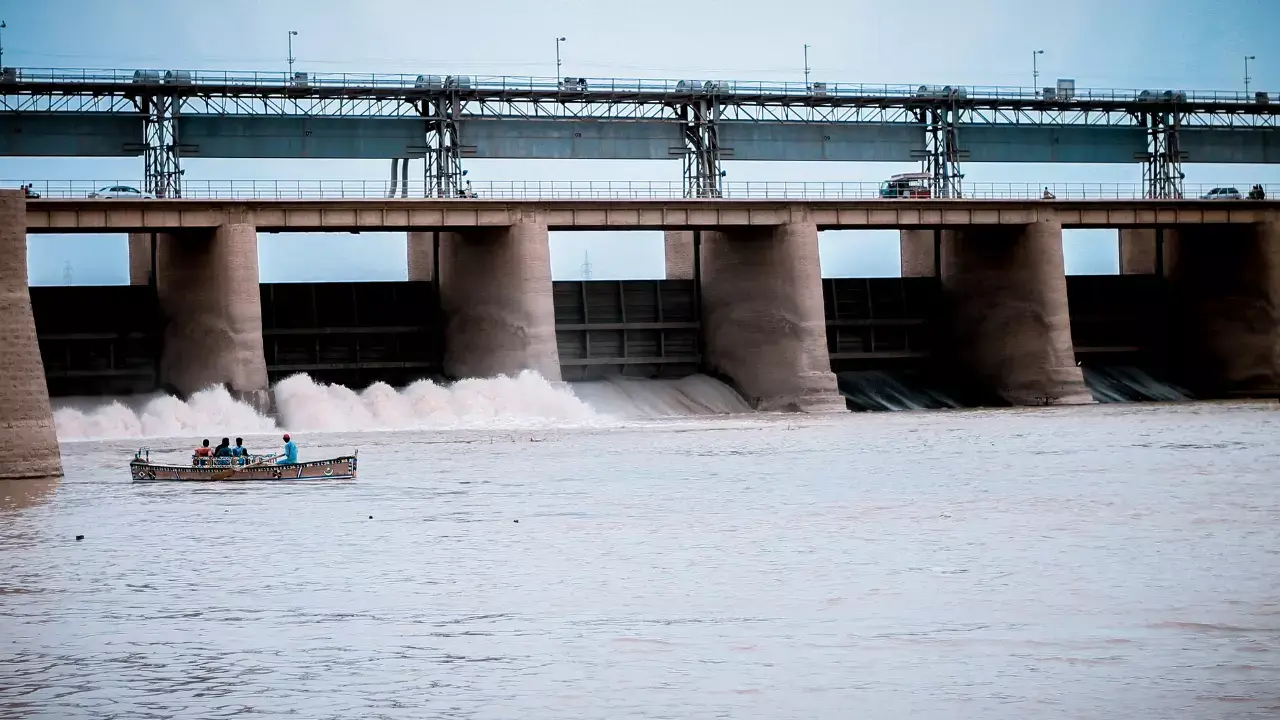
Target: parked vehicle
point(1226, 193)
point(120, 192)
point(906, 185)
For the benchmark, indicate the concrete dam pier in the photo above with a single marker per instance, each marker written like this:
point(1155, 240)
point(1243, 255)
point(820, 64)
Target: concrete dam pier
point(28, 446)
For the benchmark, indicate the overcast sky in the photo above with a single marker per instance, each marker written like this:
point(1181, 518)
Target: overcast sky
point(1185, 44)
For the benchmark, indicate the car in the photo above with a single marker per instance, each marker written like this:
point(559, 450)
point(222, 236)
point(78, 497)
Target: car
point(120, 192)
point(1226, 193)
point(906, 185)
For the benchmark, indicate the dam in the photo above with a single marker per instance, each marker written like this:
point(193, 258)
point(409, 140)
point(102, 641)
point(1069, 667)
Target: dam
point(984, 307)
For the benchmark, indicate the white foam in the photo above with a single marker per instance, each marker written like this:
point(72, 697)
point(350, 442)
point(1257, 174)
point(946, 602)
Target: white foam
point(208, 412)
point(522, 401)
point(525, 401)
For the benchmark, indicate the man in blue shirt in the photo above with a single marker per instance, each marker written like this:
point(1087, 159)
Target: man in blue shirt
point(240, 452)
point(290, 452)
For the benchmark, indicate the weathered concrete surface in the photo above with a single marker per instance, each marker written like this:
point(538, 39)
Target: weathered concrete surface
point(421, 255)
point(1009, 329)
point(917, 253)
point(28, 445)
point(762, 315)
point(1138, 251)
point(678, 247)
point(139, 258)
point(140, 255)
point(208, 290)
point(1225, 282)
point(496, 295)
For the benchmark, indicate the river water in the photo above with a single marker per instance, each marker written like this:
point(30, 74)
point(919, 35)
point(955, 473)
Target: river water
point(1089, 562)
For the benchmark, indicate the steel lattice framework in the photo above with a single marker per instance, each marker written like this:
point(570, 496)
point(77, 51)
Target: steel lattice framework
point(700, 108)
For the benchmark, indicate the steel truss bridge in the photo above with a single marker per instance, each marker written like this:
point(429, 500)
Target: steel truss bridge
point(171, 115)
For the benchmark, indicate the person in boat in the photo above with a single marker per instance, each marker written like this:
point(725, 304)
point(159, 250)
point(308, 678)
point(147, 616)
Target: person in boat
point(222, 453)
point(240, 452)
point(290, 455)
point(202, 454)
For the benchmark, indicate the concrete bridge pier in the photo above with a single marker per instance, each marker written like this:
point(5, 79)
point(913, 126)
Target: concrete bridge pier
point(1146, 251)
point(420, 251)
point(139, 258)
point(1008, 327)
point(763, 321)
point(919, 250)
point(208, 291)
point(1225, 281)
point(496, 296)
point(678, 248)
point(28, 444)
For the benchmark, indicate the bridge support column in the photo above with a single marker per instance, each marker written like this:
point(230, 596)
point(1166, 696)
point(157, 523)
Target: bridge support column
point(421, 256)
point(208, 290)
point(28, 444)
point(1010, 330)
point(1225, 281)
point(139, 258)
point(496, 295)
point(1138, 254)
point(678, 247)
point(918, 252)
point(763, 321)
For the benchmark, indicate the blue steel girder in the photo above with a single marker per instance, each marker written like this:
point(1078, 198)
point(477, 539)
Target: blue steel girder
point(736, 102)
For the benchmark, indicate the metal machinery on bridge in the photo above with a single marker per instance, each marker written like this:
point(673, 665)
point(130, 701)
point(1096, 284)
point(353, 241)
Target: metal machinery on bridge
point(171, 115)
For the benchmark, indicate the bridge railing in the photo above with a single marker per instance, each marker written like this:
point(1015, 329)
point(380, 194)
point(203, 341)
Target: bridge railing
point(602, 190)
point(303, 80)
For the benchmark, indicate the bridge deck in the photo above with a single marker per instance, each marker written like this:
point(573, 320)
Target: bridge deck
point(98, 216)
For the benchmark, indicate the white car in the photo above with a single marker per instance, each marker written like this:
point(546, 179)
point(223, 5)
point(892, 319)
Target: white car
point(1227, 193)
point(120, 192)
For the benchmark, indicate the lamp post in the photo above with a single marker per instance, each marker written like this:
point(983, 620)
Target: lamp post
point(291, 58)
point(806, 67)
point(1035, 70)
point(3, 26)
point(1247, 58)
point(558, 41)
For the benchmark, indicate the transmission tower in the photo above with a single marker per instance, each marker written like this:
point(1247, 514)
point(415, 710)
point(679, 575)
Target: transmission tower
point(586, 265)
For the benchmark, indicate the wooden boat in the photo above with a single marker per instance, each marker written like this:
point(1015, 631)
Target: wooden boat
point(256, 468)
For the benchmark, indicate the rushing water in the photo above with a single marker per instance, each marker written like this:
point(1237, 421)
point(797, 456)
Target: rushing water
point(1088, 562)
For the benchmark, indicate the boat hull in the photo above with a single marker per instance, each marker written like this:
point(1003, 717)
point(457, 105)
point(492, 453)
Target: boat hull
point(343, 468)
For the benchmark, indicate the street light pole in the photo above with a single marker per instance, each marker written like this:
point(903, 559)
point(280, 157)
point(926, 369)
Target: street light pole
point(291, 58)
point(1035, 71)
point(1247, 58)
point(806, 67)
point(558, 41)
point(3, 26)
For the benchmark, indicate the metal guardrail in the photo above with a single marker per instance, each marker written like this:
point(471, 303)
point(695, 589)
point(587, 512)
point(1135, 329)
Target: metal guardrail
point(585, 85)
point(605, 190)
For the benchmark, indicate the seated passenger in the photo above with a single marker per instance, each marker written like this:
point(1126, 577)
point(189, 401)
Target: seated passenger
point(290, 455)
point(222, 453)
point(240, 452)
point(202, 454)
